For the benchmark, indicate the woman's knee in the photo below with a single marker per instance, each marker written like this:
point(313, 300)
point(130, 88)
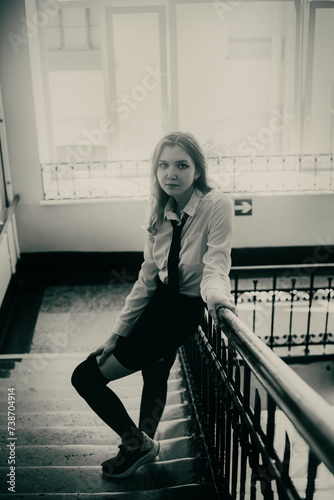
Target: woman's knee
point(87, 375)
point(79, 376)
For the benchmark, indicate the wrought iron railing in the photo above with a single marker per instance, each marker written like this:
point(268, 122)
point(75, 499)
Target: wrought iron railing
point(235, 174)
point(290, 309)
point(267, 433)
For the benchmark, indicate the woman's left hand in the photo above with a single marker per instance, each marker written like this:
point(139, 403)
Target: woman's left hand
point(214, 301)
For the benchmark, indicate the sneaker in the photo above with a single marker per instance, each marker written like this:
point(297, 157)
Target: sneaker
point(129, 459)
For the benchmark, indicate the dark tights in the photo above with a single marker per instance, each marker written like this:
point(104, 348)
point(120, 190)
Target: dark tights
point(92, 386)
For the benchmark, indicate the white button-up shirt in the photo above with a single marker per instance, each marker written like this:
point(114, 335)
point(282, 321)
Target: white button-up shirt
point(205, 255)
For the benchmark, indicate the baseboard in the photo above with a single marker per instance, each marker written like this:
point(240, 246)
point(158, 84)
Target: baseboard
point(112, 264)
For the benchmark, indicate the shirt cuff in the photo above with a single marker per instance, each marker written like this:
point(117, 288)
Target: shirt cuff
point(121, 328)
point(228, 304)
point(226, 298)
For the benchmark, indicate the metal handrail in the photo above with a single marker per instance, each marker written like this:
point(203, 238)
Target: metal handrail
point(311, 415)
point(8, 215)
point(283, 266)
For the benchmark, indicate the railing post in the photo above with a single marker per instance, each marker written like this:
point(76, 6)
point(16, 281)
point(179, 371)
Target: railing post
point(329, 295)
point(308, 337)
point(272, 340)
point(254, 304)
point(293, 292)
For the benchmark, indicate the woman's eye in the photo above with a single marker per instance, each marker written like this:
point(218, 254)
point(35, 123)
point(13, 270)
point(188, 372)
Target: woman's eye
point(163, 165)
point(182, 165)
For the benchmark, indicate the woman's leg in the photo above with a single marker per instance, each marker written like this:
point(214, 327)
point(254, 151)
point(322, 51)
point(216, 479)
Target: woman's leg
point(91, 381)
point(112, 369)
point(154, 393)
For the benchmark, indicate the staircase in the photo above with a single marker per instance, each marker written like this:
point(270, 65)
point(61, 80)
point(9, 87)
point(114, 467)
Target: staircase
point(61, 443)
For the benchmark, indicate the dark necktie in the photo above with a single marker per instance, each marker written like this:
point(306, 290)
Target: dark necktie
point(173, 256)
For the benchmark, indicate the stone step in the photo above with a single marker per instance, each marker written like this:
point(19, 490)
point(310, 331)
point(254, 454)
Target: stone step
point(85, 417)
point(58, 371)
point(76, 403)
point(184, 492)
point(72, 455)
point(42, 382)
point(95, 435)
point(67, 361)
point(127, 387)
point(88, 479)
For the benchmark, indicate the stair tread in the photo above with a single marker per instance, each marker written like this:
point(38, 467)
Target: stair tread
point(27, 390)
point(130, 398)
point(49, 367)
point(182, 492)
point(86, 417)
point(38, 455)
point(86, 434)
point(85, 479)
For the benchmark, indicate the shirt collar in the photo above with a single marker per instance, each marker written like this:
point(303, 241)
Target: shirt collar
point(189, 209)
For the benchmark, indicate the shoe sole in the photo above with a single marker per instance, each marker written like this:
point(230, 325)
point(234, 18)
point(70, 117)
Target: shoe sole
point(144, 460)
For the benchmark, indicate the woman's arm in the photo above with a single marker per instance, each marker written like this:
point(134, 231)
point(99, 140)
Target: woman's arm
point(140, 294)
point(215, 284)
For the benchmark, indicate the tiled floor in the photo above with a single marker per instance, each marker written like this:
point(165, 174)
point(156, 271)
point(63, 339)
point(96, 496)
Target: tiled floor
point(77, 318)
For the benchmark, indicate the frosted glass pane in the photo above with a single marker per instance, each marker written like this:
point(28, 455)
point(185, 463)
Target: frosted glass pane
point(76, 38)
point(77, 106)
point(54, 38)
point(236, 74)
point(73, 17)
point(138, 106)
point(94, 17)
point(319, 124)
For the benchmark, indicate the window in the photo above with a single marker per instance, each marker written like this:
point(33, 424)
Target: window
point(249, 79)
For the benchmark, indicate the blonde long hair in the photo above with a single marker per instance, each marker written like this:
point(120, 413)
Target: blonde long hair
point(158, 197)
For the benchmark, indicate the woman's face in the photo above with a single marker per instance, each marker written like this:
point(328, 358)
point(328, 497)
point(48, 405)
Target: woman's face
point(176, 173)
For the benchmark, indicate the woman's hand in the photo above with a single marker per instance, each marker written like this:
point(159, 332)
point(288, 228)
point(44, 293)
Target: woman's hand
point(215, 300)
point(105, 349)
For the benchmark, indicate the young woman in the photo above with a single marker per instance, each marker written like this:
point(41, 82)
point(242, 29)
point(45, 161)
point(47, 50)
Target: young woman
point(186, 263)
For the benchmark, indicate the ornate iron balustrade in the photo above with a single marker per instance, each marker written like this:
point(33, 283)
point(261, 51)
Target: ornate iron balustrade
point(235, 174)
point(267, 433)
point(291, 311)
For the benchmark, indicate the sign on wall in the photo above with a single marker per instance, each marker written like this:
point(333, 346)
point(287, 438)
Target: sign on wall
point(243, 207)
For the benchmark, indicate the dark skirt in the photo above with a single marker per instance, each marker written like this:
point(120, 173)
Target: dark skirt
point(164, 325)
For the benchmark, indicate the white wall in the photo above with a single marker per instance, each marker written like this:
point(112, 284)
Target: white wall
point(9, 253)
point(115, 226)
point(298, 220)
point(5, 267)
